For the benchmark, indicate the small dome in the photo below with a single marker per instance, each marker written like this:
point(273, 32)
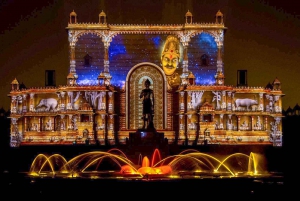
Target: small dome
point(191, 75)
point(70, 76)
point(73, 13)
point(15, 81)
point(219, 13)
point(102, 13)
point(188, 14)
point(276, 81)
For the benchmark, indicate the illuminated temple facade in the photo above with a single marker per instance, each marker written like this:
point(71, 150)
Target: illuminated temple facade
point(109, 64)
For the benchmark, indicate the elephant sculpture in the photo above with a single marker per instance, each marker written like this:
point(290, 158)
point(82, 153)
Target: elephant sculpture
point(49, 103)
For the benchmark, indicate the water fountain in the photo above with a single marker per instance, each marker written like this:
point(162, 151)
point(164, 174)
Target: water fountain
point(115, 164)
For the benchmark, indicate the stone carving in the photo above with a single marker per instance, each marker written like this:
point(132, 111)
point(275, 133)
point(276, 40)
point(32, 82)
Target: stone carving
point(49, 103)
point(246, 102)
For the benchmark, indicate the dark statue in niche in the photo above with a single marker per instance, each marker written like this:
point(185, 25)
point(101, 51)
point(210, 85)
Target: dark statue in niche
point(148, 105)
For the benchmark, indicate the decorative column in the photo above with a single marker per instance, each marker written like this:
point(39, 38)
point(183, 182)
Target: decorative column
point(110, 134)
point(62, 122)
point(223, 100)
point(185, 38)
point(72, 77)
point(221, 125)
point(266, 123)
point(13, 107)
point(24, 105)
point(69, 122)
point(189, 127)
point(229, 106)
point(181, 137)
point(277, 108)
point(252, 123)
point(219, 59)
point(269, 106)
point(25, 124)
point(62, 100)
point(229, 123)
point(40, 124)
point(238, 122)
point(106, 39)
point(31, 102)
point(181, 101)
point(69, 100)
point(261, 102)
point(189, 101)
point(110, 102)
point(232, 102)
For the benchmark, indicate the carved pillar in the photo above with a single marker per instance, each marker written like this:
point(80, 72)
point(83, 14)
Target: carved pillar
point(189, 127)
point(181, 101)
point(69, 100)
point(62, 100)
point(232, 102)
point(252, 123)
point(62, 122)
point(25, 124)
point(72, 77)
point(223, 100)
point(189, 101)
point(266, 123)
point(269, 105)
point(31, 102)
point(229, 105)
point(181, 127)
point(102, 100)
point(40, 123)
point(185, 61)
point(110, 102)
point(277, 107)
point(221, 125)
point(69, 122)
point(106, 39)
point(238, 122)
point(219, 60)
point(24, 103)
point(13, 107)
point(261, 102)
point(229, 123)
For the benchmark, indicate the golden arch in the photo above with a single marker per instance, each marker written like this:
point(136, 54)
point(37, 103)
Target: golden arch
point(134, 84)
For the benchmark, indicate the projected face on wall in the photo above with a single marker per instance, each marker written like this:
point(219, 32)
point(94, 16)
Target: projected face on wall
point(128, 50)
point(170, 55)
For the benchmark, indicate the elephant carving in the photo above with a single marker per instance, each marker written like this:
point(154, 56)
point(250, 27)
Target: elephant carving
point(49, 103)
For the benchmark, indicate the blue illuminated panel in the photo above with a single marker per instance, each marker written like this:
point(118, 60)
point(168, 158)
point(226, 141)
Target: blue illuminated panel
point(126, 51)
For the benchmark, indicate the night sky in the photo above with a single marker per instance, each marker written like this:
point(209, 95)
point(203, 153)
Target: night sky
point(262, 37)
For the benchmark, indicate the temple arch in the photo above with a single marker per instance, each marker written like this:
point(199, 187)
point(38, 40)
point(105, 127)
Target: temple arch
point(134, 84)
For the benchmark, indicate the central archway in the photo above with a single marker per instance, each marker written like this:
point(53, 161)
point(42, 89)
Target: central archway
point(134, 84)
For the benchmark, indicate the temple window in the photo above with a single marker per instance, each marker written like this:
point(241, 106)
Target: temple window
point(204, 60)
point(87, 60)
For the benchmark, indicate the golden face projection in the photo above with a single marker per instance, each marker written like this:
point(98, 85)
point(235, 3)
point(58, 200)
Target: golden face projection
point(170, 55)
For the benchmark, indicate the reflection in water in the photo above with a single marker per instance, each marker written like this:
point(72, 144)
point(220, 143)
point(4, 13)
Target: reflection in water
point(115, 164)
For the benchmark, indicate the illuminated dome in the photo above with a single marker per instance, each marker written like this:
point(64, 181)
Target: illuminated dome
point(73, 13)
point(102, 14)
point(15, 81)
point(219, 14)
point(188, 14)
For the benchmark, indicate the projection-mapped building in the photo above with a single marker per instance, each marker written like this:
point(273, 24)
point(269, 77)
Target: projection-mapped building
point(109, 64)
